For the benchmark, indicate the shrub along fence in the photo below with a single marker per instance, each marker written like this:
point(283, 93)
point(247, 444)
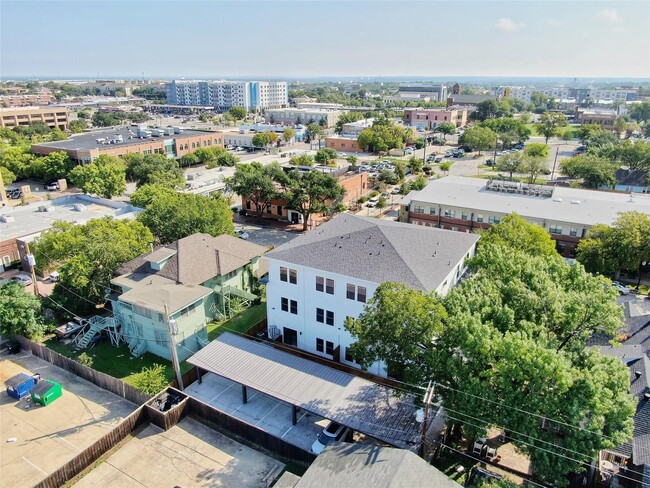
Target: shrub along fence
point(104, 381)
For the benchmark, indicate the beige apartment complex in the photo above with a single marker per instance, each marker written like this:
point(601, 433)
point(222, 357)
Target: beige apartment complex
point(54, 117)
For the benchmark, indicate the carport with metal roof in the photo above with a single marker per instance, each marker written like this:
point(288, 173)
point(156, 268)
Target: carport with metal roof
point(364, 406)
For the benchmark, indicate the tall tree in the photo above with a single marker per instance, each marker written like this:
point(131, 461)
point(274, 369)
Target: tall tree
point(533, 166)
point(515, 232)
point(260, 139)
point(536, 149)
point(325, 155)
point(446, 129)
point(550, 123)
point(237, 113)
point(623, 245)
point(105, 176)
point(153, 169)
point(594, 170)
point(19, 311)
point(288, 134)
point(256, 183)
point(56, 165)
point(174, 216)
point(312, 192)
point(86, 257)
point(479, 138)
point(395, 323)
point(510, 163)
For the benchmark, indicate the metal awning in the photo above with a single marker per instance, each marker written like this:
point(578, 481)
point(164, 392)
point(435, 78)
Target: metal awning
point(362, 405)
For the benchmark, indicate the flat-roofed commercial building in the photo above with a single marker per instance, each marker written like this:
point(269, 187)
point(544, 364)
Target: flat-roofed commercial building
point(427, 118)
point(468, 204)
point(305, 116)
point(118, 141)
point(53, 117)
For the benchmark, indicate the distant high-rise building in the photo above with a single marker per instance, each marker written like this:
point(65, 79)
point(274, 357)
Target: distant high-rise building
point(252, 95)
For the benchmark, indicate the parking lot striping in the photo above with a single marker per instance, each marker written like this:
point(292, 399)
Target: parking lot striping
point(267, 413)
point(249, 399)
point(224, 391)
point(301, 417)
point(33, 465)
point(57, 436)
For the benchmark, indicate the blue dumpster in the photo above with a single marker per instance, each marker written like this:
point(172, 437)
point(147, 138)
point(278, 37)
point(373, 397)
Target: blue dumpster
point(21, 385)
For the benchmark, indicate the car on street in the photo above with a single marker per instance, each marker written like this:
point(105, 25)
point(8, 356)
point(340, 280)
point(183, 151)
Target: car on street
point(239, 148)
point(622, 289)
point(408, 150)
point(23, 279)
point(333, 432)
point(489, 162)
point(395, 191)
point(14, 193)
point(459, 153)
point(438, 159)
point(53, 186)
point(242, 234)
point(449, 153)
point(518, 147)
point(372, 202)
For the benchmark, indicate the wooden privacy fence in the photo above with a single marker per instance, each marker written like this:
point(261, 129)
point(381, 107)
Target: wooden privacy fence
point(92, 453)
point(102, 380)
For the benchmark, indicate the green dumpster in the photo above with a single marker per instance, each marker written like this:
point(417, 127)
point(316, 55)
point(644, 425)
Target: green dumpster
point(46, 391)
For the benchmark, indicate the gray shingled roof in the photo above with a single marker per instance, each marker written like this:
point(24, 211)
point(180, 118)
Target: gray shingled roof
point(367, 466)
point(355, 402)
point(379, 250)
point(198, 258)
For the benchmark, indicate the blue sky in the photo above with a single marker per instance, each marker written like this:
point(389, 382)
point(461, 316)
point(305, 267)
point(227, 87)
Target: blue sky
point(335, 38)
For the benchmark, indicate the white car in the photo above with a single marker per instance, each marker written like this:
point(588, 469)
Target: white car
point(622, 289)
point(372, 202)
point(408, 150)
point(23, 279)
point(242, 234)
point(333, 432)
point(238, 148)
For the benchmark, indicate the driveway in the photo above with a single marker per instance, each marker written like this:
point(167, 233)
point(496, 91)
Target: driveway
point(267, 236)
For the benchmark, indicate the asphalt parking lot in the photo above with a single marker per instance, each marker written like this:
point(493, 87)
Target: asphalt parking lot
point(188, 455)
point(267, 236)
point(48, 437)
point(267, 413)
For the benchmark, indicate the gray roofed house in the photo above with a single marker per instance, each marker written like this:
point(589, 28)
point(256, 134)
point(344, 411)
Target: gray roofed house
point(331, 272)
point(192, 281)
point(367, 466)
point(378, 250)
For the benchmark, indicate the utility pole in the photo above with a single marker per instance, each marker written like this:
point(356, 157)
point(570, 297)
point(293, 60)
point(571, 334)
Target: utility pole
point(424, 158)
point(172, 345)
point(32, 265)
point(555, 161)
point(428, 395)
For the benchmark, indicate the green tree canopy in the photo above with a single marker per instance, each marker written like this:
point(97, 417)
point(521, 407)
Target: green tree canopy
point(19, 311)
point(347, 118)
point(536, 149)
point(87, 256)
point(257, 183)
point(173, 216)
point(479, 138)
point(105, 176)
point(623, 245)
point(288, 134)
point(312, 192)
point(594, 170)
point(508, 129)
point(56, 165)
point(325, 155)
point(260, 139)
point(383, 136)
point(394, 327)
point(446, 129)
point(517, 233)
point(550, 123)
point(77, 126)
point(238, 113)
point(510, 163)
point(153, 169)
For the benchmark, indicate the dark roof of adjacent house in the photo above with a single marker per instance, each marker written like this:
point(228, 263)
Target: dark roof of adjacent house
point(368, 466)
point(196, 259)
point(639, 446)
point(378, 250)
point(632, 177)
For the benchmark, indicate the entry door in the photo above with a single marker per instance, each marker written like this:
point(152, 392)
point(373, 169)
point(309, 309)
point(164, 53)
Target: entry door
point(290, 337)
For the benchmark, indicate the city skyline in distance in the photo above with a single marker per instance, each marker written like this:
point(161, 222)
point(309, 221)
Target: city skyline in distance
point(326, 40)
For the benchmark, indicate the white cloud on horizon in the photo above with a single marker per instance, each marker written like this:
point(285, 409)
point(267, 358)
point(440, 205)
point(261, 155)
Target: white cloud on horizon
point(609, 16)
point(508, 25)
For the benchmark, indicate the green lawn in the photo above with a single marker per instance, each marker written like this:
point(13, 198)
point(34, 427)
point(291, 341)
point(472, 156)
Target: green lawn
point(240, 323)
point(574, 128)
point(115, 361)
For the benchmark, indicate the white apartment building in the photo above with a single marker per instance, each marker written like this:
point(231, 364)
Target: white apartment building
point(524, 93)
point(302, 116)
point(320, 278)
point(252, 95)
